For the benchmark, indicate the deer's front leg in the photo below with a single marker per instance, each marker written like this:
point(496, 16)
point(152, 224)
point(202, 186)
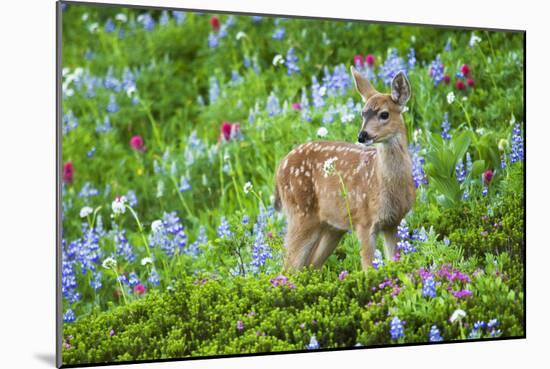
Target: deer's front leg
point(367, 237)
point(390, 242)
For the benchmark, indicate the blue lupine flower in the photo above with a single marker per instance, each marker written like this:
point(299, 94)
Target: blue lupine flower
point(223, 229)
point(403, 234)
point(88, 190)
point(96, 283)
point(396, 329)
point(495, 333)
point(89, 252)
point(213, 40)
point(173, 226)
point(392, 65)
point(109, 26)
point(304, 105)
point(154, 277)
point(88, 54)
point(184, 184)
point(493, 323)
point(202, 239)
point(437, 70)
point(447, 47)
point(131, 198)
point(245, 220)
point(435, 335)
point(133, 279)
point(179, 16)
point(278, 34)
point(465, 195)
point(445, 127)
point(147, 21)
point(164, 18)
point(110, 82)
point(69, 316)
point(291, 60)
point(419, 176)
point(317, 93)
point(105, 126)
point(503, 161)
point(235, 77)
point(313, 344)
point(475, 333)
point(69, 122)
point(123, 247)
point(480, 324)
point(328, 116)
point(428, 287)
point(91, 152)
point(273, 107)
point(378, 260)
point(256, 18)
point(460, 171)
point(485, 191)
point(112, 107)
point(517, 153)
point(214, 90)
point(68, 276)
point(260, 250)
point(411, 58)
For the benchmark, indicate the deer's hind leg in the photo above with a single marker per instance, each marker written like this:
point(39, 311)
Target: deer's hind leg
point(367, 237)
point(330, 237)
point(390, 242)
point(302, 236)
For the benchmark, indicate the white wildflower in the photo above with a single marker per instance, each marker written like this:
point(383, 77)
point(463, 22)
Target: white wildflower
point(85, 17)
point(156, 226)
point(474, 39)
point(119, 205)
point(109, 263)
point(328, 166)
point(278, 60)
point(85, 211)
point(93, 27)
point(451, 97)
point(323, 91)
point(322, 132)
point(240, 35)
point(247, 187)
point(458, 314)
point(146, 260)
point(121, 17)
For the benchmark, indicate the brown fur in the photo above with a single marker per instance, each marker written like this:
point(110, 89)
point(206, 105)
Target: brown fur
point(378, 181)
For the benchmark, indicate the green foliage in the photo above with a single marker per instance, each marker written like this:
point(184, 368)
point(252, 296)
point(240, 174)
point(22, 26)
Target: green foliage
point(199, 318)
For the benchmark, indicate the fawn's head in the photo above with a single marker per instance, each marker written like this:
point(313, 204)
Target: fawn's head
point(382, 120)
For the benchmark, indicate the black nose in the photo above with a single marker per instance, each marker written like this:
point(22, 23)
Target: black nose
point(363, 137)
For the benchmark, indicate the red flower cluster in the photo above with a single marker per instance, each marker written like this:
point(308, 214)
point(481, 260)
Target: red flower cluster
point(464, 79)
point(68, 172)
point(215, 23)
point(230, 131)
point(137, 143)
point(369, 60)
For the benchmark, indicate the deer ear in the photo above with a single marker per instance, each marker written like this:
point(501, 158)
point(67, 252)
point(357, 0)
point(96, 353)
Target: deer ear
point(400, 89)
point(362, 85)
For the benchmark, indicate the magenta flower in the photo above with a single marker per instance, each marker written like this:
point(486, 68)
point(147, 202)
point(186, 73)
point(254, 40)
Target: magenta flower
point(465, 69)
point(462, 294)
point(282, 280)
point(136, 142)
point(460, 85)
point(215, 23)
point(230, 131)
point(296, 106)
point(240, 325)
point(487, 176)
point(139, 289)
point(370, 60)
point(470, 82)
point(68, 172)
point(343, 275)
point(358, 60)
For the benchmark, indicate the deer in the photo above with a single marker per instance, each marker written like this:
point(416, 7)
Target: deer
point(375, 173)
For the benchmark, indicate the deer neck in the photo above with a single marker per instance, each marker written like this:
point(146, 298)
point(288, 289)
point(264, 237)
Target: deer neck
point(394, 162)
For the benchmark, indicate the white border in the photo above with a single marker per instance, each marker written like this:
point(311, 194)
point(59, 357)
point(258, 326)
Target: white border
point(27, 184)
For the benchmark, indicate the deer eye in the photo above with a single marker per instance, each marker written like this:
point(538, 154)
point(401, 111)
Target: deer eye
point(384, 115)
